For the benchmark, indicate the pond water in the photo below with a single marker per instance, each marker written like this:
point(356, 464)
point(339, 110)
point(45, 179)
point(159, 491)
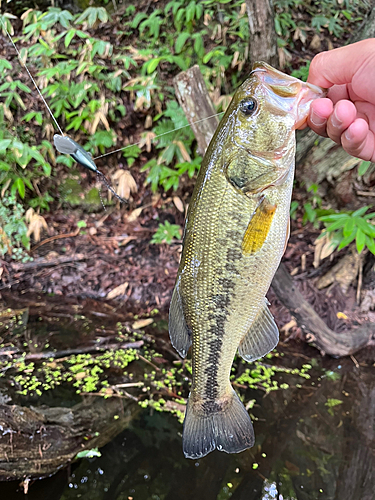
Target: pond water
point(305, 450)
point(315, 441)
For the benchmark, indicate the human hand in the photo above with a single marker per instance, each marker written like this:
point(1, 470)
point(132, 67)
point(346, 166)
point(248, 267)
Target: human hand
point(347, 115)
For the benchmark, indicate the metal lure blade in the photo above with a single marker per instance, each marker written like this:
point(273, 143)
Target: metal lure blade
point(66, 145)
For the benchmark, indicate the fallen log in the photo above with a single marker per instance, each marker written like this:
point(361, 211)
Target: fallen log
point(37, 442)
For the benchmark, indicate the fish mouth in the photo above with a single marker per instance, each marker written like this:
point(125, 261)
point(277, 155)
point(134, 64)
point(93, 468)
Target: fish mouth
point(286, 86)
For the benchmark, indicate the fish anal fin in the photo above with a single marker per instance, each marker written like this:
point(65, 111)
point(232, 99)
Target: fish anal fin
point(226, 426)
point(262, 337)
point(287, 236)
point(258, 228)
point(179, 332)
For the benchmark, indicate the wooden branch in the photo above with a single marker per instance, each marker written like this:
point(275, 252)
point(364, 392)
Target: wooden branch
point(194, 99)
point(316, 330)
point(42, 262)
point(37, 356)
point(263, 40)
point(56, 237)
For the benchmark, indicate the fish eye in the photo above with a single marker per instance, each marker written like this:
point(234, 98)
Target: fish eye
point(248, 106)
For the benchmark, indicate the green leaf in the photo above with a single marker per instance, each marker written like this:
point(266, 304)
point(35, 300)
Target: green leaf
point(348, 239)
point(20, 186)
point(4, 64)
point(370, 243)
point(198, 45)
point(363, 167)
point(365, 226)
point(94, 452)
point(180, 42)
point(4, 144)
point(310, 213)
point(337, 225)
point(360, 211)
point(360, 240)
point(23, 87)
point(348, 228)
point(138, 18)
point(332, 217)
point(153, 64)
point(68, 37)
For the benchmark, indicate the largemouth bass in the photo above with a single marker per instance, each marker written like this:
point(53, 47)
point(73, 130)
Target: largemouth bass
point(236, 231)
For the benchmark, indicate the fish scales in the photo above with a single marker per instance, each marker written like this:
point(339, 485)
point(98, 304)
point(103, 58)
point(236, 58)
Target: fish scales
point(235, 234)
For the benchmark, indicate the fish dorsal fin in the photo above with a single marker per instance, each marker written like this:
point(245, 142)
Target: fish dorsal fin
point(262, 337)
point(258, 228)
point(179, 332)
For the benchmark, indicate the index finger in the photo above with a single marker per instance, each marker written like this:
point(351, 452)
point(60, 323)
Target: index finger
point(343, 65)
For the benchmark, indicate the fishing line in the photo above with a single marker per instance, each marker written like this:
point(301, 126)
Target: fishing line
point(31, 77)
point(160, 135)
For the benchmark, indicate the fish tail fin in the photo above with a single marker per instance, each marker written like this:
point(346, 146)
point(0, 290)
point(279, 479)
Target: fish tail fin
point(224, 424)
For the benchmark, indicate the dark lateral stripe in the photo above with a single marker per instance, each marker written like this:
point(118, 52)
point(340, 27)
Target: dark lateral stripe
point(219, 316)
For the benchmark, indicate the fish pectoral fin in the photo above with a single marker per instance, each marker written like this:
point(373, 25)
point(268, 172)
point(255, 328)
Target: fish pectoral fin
point(262, 337)
point(258, 228)
point(179, 332)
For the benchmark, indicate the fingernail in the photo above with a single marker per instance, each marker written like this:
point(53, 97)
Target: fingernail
point(348, 135)
point(317, 120)
point(335, 120)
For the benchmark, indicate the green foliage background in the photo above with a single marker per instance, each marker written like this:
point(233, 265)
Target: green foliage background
point(97, 68)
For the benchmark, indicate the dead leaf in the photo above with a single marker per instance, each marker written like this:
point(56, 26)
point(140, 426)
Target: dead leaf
point(323, 248)
point(125, 183)
point(146, 140)
point(134, 215)
point(288, 326)
point(182, 148)
point(316, 43)
point(36, 224)
point(148, 121)
point(235, 59)
point(119, 290)
point(344, 272)
point(142, 323)
point(178, 204)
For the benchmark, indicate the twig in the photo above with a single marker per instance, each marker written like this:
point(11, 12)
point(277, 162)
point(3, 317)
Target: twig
point(360, 277)
point(57, 237)
point(354, 361)
point(80, 350)
point(125, 395)
point(130, 384)
point(49, 263)
point(366, 193)
point(149, 362)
